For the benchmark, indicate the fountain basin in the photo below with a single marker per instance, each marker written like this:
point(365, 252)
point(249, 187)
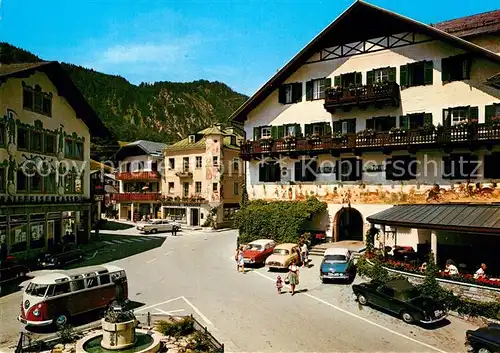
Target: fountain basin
point(117, 336)
point(144, 343)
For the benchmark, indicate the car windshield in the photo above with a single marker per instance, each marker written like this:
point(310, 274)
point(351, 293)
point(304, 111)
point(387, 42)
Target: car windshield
point(281, 252)
point(335, 258)
point(37, 290)
point(255, 247)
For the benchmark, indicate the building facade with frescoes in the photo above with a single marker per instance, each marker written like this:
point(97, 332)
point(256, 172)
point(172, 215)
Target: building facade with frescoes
point(381, 110)
point(45, 129)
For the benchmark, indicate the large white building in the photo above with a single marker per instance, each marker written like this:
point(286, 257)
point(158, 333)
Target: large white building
point(380, 110)
point(45, 129)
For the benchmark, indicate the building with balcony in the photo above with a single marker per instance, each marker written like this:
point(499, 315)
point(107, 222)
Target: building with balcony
point(203, 177)
point(380, 110)
point(139, 177)
point(45, 129)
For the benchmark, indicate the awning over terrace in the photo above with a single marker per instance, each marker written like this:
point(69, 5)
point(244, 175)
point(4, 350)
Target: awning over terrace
point(464, 218)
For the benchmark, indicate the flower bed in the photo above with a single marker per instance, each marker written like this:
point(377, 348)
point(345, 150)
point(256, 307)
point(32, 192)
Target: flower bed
point(461, 278)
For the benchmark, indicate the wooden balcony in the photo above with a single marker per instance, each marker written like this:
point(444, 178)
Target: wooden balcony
point(361, 96)
point(136, 196)
point(185, 173)
point(459, 136)
point(139, 176)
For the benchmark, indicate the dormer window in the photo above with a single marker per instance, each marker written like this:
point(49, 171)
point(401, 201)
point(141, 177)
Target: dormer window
point(36, 100)
point(192, 138)
point(233, 140)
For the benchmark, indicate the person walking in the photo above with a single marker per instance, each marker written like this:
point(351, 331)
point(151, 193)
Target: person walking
point(303, 251)
point(279, 284)
point(293, 275)
point(240, 263)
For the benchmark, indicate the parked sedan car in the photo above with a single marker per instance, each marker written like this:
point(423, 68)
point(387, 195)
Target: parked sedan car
point(338, 263)
point(257, 251)
point(282, 256)
point(11, 273)
point(484, 339)
point(401, 298)
point(157, 225)
point(48, 261)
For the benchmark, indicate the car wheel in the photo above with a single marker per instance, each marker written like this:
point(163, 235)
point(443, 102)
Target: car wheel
point(362, 299)
point(407, 317)
point(62, 319)
point(153, 231)
point(483, 350)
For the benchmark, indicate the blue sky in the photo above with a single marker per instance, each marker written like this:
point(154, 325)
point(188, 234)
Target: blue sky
point(239, 42)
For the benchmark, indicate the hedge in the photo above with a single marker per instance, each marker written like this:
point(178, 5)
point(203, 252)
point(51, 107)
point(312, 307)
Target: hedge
point(282, 221)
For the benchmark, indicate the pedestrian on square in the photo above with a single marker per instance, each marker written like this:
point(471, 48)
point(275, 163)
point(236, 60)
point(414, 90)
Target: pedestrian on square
point(240, 263)
point(304, 251)
point(293, 275)
point(279, 284)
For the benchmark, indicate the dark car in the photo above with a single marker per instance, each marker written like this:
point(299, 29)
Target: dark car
point(401, 298)
point(11, 273)
point(59, 260)
point(484, 339)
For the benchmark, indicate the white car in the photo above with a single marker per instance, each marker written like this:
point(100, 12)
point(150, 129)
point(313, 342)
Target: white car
point(158, 225)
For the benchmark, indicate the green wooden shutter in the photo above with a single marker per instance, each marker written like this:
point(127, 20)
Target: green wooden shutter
point(298, 130)
point(328, 129)
point(351, 126)
point(392, 121)
point(446, 118)
point(403, 76)
point(297, 166)
point(358, 78)
point(256, 133)
point(262, 172)
point(445, 69)
point(473, 113)
point(427, 119)
point(489, 112)
point(428, 72)
point(282, 95)
point(490, 166)
point(466, 63)
point(309, 91)
point(370, 123)
point(392, 74)
point(308, 129)
point(404, 122)
point(337, 81)
point(389, 170)
point(337, 126)
point(297, 92)
point(328, 83)
point(281, 131)
point(276, 169)
point(369, 77)
point(338, 170)
point(274, 132)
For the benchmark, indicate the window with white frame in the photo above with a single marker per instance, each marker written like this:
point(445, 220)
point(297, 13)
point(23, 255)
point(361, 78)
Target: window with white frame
point(236, 189)
point(236, 164)
point(290, 130)
point(318, 89)
point(345, 127)
point(458, 116)
point(198, 161)
point(288, 93)
point(198, 187)
point(265, 132)
point(381, 75)
point(317, 129)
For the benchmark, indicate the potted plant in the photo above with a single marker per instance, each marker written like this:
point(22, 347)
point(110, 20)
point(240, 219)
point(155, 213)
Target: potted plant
point(495, 120)
point(366, 133)
point(266, 143)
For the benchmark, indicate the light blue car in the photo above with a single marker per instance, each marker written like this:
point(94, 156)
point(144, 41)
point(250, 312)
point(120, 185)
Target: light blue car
point(337, 264)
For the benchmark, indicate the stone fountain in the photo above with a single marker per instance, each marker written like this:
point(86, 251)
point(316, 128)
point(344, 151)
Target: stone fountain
point(119, 333)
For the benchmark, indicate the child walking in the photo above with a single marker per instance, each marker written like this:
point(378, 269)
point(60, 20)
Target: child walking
point(279, 284)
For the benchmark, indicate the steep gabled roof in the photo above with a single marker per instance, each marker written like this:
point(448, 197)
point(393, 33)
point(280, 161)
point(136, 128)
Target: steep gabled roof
point(481, 23)
point(65, 87)
point(150, 147)
point(184, 144)
point(361, 21)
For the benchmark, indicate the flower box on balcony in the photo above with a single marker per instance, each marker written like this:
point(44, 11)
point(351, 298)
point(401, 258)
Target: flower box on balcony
point(266, 144)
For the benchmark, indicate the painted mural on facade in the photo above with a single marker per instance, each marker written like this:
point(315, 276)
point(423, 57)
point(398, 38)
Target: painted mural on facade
point(213, 172)
point(381, 194)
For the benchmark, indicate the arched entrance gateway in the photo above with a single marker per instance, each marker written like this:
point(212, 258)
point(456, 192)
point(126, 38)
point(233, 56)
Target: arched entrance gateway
point(348, 224)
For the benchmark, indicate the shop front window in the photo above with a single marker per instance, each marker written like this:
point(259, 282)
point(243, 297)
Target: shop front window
point(69, 230)
point(37, 234)
point(18, 236)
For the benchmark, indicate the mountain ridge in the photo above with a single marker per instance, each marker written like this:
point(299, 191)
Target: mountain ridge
point(162, 111)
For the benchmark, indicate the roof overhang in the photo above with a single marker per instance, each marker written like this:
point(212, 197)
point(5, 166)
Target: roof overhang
point(494, 81)
point(67, 89)
point(464, 218)
point(361, 21)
